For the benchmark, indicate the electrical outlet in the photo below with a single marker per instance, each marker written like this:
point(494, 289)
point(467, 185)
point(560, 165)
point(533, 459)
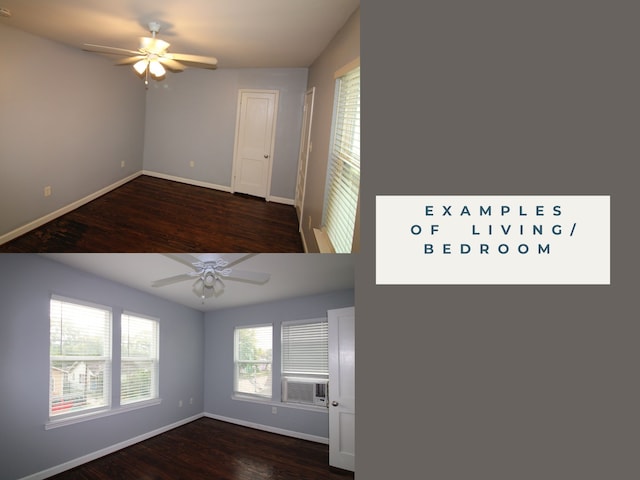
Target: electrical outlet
point(192, 163)
point(180, 403)
point(274, 410)
point(122, 164)
point(191, 401)
point(47, 191)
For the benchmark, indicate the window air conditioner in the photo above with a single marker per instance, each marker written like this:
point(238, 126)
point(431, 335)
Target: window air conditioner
point(308, 391)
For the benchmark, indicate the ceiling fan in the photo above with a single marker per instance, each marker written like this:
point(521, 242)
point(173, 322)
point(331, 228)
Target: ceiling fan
point(152, 57)
point(209, 269)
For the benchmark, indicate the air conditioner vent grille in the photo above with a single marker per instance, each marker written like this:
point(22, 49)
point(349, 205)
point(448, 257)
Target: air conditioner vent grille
point(305, 391)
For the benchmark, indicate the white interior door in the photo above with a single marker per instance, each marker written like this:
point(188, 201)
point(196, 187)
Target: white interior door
point(342, 395)
point(305, 148)
point(255, 137)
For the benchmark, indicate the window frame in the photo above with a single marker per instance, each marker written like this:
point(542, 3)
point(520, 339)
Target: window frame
point(339, 221)
point(285, 370)
point(113, 405)
point(153, 358)
point(237, 362)
point(107, 381)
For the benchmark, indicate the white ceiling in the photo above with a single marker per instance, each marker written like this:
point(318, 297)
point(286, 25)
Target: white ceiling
point(292, 275)
point(239, 33)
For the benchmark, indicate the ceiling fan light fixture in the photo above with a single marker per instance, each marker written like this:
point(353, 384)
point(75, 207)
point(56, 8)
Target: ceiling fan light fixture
point(209, 279)
point(156, 69)
point(201, 290)
point(218, 286)
point(141, 66)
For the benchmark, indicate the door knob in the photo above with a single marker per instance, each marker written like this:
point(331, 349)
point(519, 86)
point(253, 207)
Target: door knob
point(266, 156)
point(334, 403)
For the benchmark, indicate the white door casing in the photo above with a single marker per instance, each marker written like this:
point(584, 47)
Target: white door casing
point(305, 148)
point(342, 408)
point(254, 143)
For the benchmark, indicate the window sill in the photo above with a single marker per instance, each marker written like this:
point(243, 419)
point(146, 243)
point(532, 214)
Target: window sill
point(274, 403)
point(62, 422)
point(322, 239)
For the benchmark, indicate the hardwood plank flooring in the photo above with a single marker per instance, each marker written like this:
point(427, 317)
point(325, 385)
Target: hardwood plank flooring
point(150, 214)
point(211, 449)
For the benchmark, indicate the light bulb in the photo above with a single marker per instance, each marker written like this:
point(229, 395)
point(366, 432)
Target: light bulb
point(156, 69)
point(141, 66)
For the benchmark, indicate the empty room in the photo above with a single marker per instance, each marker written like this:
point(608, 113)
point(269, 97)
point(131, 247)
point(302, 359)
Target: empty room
point(120, 366)
point(201, 125)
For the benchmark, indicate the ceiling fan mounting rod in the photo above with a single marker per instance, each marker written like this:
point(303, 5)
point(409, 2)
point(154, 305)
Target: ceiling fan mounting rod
point(154, 27)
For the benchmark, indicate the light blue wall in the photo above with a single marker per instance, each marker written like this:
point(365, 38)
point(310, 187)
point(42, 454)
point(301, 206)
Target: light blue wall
point(26, 282)
point(192, 364)
point(191, 116)
point(67, 120)
point(218, 383)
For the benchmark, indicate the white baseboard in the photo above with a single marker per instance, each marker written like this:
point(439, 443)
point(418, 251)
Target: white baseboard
point(132, 441)
point(106, 451)
point(78, 203)
point(214, 186)
point(188, 181)
point(268, 428)
point(66, 209)
point(286, 201)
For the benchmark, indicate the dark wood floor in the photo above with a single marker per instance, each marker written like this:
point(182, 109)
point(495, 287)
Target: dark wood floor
point(211, 449)
point(149, 214)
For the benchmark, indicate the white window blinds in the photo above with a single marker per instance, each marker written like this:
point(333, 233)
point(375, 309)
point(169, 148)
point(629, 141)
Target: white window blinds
point(253, 352)
point(305, 349)
point(80, 356)
point(343, 176)
point(139, 362)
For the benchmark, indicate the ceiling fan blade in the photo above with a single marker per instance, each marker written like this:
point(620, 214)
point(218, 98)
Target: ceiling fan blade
point(184, 258)
point(130, 60)
point(247, 276)
point(194, 60)
point(235, 258)
point(174, 279)
point(171, 64)
point(112, 50)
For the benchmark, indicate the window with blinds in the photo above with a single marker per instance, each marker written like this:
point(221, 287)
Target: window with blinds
point(139, 359)
point(79, 356)
point(343, 175)
point(305, 349)
point(253, 355)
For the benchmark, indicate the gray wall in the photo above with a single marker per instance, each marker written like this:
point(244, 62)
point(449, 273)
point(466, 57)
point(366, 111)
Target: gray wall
point(344, 48)
point(218, 384)
point(26, 282)
point(67, 119)
point(191, 116)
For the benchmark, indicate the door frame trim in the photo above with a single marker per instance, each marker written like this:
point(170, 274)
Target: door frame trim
point(234, 168)
point(311, 91)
